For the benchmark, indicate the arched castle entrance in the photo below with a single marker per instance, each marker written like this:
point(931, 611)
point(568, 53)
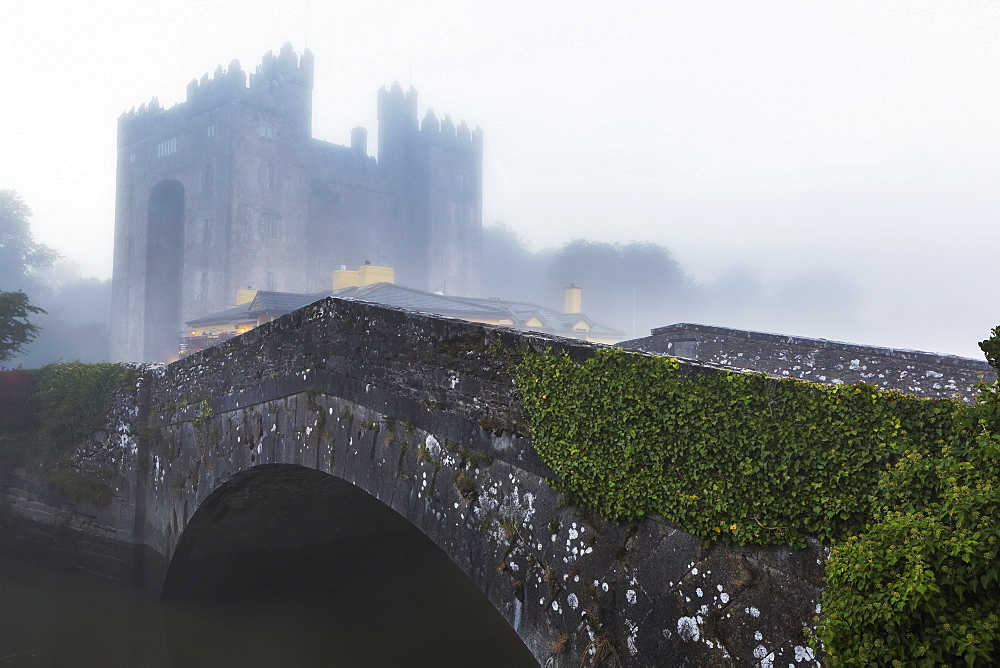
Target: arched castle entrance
point(164, 270)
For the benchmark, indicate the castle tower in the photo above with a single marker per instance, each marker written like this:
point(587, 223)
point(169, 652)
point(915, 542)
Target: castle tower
point(436, 170)
point(452, 204)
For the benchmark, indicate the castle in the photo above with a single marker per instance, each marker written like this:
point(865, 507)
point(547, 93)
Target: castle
point(229, 190)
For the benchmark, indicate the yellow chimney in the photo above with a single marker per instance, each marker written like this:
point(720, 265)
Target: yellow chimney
point(574, 299)
point(368, 274)
point(345, 278)
point(245, 296)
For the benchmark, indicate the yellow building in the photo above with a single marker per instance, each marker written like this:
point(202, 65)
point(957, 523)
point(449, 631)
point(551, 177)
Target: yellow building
point(375, 284)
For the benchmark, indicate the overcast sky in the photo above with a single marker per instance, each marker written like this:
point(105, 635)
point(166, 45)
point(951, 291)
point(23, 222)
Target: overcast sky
point(856, 139)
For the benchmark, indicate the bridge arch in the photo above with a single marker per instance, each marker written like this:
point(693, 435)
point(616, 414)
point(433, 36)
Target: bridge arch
point(277, 526)
point(422, 414)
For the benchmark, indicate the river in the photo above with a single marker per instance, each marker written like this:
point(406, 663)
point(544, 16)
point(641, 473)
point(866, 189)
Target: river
point(423, 613)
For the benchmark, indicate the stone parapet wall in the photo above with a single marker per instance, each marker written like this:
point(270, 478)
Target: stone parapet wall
point(462, 367)
point(819, 360)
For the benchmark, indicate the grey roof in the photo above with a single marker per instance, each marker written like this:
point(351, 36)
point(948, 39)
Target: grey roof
point(276, 304)
point(235, 314)
point(695, 329)
point(400, 296)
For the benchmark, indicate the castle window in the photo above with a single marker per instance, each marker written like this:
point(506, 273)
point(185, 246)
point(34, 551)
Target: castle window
point(272, 226)
point(166, 147)
point(131, 158)
point(269, 178)
point(265, 132)
point(210, 131)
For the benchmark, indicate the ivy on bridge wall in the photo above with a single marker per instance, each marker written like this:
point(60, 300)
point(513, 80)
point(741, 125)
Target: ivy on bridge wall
point(48, 412)
point(904, 488)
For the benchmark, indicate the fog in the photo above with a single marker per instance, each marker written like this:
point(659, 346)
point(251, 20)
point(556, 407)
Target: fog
point(634, 287)
point(827, 170)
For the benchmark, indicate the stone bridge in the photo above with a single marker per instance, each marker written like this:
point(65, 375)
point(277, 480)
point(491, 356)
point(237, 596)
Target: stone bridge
point(270, 449)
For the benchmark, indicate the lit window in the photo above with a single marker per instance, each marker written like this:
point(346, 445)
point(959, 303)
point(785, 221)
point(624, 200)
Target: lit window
point(265, 132)
point(210, 131)
point(166, 147)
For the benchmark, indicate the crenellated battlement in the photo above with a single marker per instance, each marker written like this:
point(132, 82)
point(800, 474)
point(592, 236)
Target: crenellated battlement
point(397, 107)
point(279, 79)
point(224, 85)
point(397, 111)
point(286, 67)
point(445, 133)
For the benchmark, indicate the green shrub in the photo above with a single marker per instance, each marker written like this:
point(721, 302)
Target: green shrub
point(743, 457)
point(73, 398)
point(921, 584)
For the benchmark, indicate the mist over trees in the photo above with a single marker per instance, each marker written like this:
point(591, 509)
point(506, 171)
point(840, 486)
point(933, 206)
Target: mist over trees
point(76, 322)
point(631, 287)
point(637, 286)
point(21, 258)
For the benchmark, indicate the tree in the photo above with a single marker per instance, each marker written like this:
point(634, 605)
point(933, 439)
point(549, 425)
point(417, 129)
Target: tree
point(15, 329)
point(510, 269)
point(20, 255)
